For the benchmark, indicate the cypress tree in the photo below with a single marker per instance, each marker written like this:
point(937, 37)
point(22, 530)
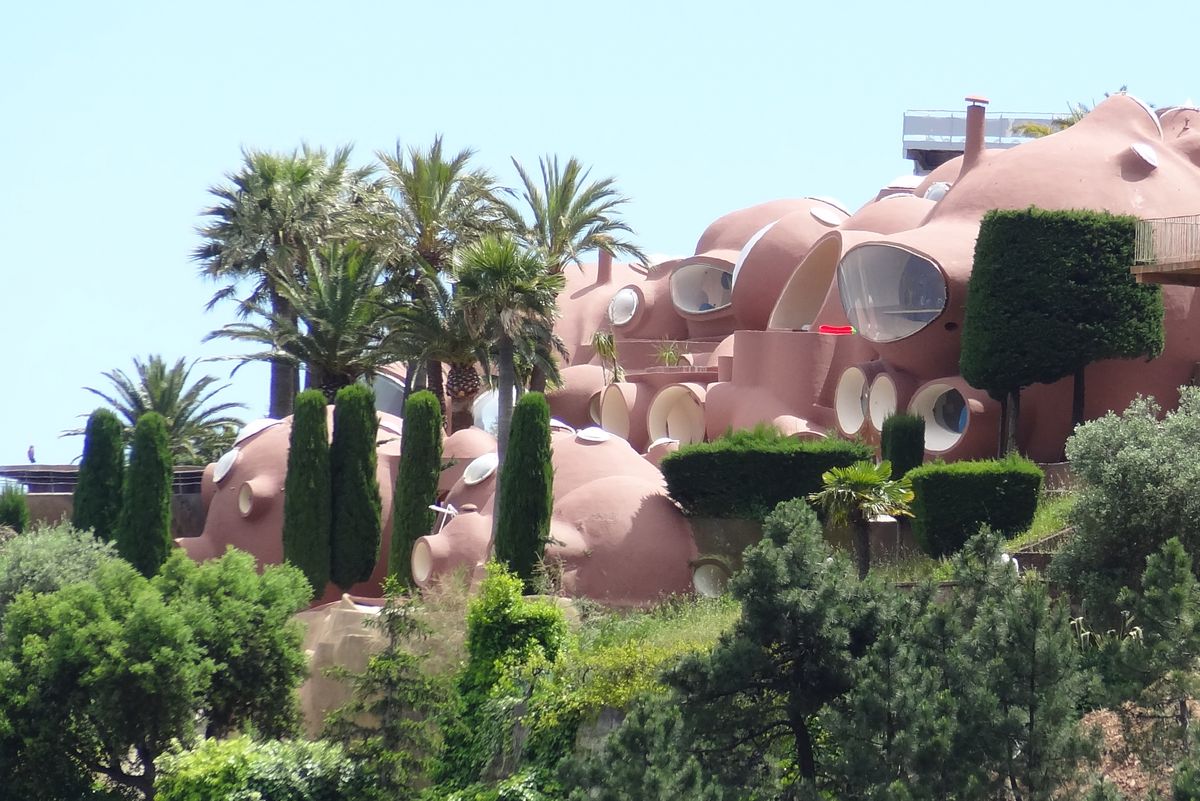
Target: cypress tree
point(97, 502)
point(144, 526)
point(307, 513)
point(526, 489)
point(14, 509)
point(354, 537)
point(902, 442)
point(416, 486)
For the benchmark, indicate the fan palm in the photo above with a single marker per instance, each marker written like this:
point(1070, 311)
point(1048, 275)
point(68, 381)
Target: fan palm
point(440, 203)
point(270, 217)
point(858, 494)
point(335, 324)
point(506, 295)
point(198, 430)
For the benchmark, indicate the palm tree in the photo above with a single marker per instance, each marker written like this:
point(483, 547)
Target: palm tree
point(565, 216)
point(506, 294)
point(858, 494)
point(335, 324)
point(270, 217)
point(440, 203)
point(198, 432)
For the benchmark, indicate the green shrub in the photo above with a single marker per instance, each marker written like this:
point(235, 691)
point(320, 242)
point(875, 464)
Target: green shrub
point(240, 769)
point(48, 558)
point(144, 527)
point(526, 489)
point(97, 501)
point(355, 536)
point(416, 485)
point(307, 513)
point(746, 474)
point(952, 501)
point(14, 509)
point(1186, 784)
point(902, 442)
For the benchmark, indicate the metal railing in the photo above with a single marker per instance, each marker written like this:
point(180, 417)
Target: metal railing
point(1167, 240)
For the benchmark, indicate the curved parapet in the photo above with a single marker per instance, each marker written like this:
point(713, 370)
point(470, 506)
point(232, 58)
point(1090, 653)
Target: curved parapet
point(677, 412)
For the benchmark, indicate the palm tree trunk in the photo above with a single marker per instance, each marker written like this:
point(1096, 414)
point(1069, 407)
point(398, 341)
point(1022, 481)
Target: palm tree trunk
point(436, 380)
point(1077, 398)
point(862, 547)
point(507, 380)
point(284, 377)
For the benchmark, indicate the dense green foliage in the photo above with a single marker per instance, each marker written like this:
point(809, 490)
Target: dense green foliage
point(1050, 293)
point(198, 431)
point(526, 489)
point(854, 496)
point(417, 483)
point(388, 725)
point(48, 558)
point(96, 505)
point(95, 678)
point(502, 627)
point(747, 473)
point(14, 508)
point(307, 509)
point(144, 527)
point(952, 501)
point(1138, 477)
point(902, 442)
point(242, 622)
point(355, 535)
point(240, 769)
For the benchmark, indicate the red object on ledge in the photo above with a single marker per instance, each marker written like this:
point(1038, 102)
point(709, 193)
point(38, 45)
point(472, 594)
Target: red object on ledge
point(836, 330)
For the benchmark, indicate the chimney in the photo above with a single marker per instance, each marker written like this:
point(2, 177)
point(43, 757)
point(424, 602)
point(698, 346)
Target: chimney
point(603, 267)
point(976, 112)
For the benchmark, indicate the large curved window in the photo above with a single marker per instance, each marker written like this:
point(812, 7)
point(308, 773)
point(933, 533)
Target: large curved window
point(699, 288)
point(889, 293)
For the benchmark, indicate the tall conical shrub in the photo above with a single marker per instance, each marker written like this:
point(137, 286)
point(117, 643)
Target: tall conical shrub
point(144, 526)
point(902, 442)
point(354, 538)
point(526, 489)
point(416, 486)
point(97, 502)
point(307, 508)
point(14, 509)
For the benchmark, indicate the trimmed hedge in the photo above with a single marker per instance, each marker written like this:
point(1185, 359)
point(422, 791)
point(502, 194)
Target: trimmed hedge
point(144, 527)
point(417, 483)
point(357, 508)
point(526, 489)
point(14, 509)
point(746, 474)
point(97, 502)
point(902, 442)
point(307, 505)
point(953, 500)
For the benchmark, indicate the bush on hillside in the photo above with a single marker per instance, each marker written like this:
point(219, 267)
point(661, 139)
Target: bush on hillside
point(47, 558)
point(357, 509)
point(14, 509)
point(144, 526)
point(417, 483)
point(96, 505)
point(307, 512)
point(746, 474)
point(953, 501)
point(526, 489)
point(902, 442)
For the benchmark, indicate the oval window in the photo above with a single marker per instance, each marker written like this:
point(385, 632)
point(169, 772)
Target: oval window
point(889, 293)
point(700, 288)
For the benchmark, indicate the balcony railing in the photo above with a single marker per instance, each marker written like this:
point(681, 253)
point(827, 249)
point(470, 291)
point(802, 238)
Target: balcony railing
point(1167, 240)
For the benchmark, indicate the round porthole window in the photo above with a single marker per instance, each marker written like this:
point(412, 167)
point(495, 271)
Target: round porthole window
point(852, 400)
point(946, 414)
point(480, 469)
point(710, 580)
point(623, 306)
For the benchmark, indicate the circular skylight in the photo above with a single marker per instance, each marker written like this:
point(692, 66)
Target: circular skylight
point(1146, 153)
point(828, 216)
point(225, 464)
point(623, 306)
point(253, 427)
point(593, 434)
point(937, 190)
point(480, 469)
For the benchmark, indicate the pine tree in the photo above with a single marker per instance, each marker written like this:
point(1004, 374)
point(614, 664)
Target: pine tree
point(144, 526)
point(416, 485)
point(307, 514)
point(526, 489)
point(355, 536)
point(97, 501)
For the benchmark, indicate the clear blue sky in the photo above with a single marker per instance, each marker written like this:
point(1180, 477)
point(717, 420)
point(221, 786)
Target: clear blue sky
point(115, 118)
